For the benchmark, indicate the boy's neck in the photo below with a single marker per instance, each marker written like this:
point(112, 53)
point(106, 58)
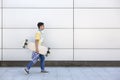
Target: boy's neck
point(39, 30)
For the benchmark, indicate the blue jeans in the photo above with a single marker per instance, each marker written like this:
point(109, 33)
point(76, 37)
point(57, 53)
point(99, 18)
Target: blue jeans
point(42, 63)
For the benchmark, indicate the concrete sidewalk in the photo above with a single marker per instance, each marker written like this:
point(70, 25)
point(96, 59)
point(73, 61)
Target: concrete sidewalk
point(61, 73)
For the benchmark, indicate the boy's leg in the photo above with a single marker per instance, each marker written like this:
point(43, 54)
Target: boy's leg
point(35, 57)
point(30, 64)
point(42, 62)
point(28, 67)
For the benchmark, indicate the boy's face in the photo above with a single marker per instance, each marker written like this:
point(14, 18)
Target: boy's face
point(42, 27)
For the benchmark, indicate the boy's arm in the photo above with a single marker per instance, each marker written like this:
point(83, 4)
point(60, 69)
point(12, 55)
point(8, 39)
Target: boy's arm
point(36, 45)
point(37, 39)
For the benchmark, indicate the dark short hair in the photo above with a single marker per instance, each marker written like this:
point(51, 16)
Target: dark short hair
point(40, 24)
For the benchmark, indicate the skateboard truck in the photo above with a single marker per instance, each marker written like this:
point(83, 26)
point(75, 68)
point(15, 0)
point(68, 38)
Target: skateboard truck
point(26, 43)
point(48, 52)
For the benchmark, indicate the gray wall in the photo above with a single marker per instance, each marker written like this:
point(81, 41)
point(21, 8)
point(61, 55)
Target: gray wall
point(86, 30)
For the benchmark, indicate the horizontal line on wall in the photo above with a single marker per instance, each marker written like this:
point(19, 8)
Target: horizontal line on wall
point(97, 8)
point(60, 7)
point(36, 28)
point(66, 48)
point(96, 28)
point(37, 7)
point(26, 48)
point(61, 28)
point(96, 48)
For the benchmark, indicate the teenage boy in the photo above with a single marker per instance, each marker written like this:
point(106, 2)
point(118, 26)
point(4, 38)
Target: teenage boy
point(36, 55)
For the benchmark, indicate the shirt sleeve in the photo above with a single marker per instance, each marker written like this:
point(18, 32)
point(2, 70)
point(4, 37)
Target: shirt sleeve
point(37, 36)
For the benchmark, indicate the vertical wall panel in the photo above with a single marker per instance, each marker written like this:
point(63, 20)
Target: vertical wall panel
point(16, 55)
point(54, 38)
point(38, 3)
point(58, 38)
point(28, 18)
point(97, 18)
point(0, 55)
point(60, 55)
point(97, 55)
point(25, 55)
point(0, 3)
point(0, 45)
point(0, 28)
point(97, 38)
point(15, 38)
point(0, 18)
point(97, 3)
point(0, 38)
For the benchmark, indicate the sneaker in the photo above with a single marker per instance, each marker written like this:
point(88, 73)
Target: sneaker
point(26, 70)
point(44, 71)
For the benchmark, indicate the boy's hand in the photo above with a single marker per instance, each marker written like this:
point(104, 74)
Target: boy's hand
point(37, 51)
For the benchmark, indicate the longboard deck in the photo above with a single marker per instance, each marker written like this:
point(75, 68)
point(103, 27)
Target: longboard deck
point(42, 49)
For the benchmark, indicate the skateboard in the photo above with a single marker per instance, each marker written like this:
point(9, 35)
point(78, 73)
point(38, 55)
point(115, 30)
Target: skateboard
point(42, 49)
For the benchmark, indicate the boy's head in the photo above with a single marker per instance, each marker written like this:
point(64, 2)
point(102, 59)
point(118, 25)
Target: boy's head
point(40, 25)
